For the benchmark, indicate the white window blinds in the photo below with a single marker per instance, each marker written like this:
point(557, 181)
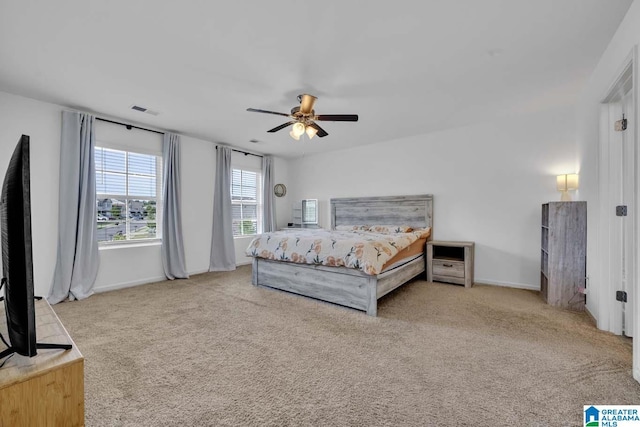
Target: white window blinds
point(245, 200)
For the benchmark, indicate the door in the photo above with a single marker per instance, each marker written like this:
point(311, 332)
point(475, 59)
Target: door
point(621, 193)
point(616, 262)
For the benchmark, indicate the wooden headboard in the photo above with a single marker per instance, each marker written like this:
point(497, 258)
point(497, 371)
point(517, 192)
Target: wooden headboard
point(415, 211)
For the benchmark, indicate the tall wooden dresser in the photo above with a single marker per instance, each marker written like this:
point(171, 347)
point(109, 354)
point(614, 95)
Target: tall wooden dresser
point(563, 255)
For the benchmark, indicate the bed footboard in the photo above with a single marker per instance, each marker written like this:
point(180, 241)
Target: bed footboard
point(347, 287)
point(339, 285)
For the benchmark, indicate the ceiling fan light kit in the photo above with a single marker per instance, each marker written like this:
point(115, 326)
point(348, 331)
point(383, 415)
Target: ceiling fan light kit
point(297, 131)
point(311, 132)
point(303, 118)
point(300, 129)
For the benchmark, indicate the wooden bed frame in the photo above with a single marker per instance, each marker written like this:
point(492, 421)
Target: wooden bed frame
point(347, 286)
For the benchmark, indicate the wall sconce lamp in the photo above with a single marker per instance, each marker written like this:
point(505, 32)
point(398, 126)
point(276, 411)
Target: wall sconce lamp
point(565, 183)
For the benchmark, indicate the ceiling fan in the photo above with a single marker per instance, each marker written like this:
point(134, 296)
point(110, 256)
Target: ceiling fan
point(303, 118)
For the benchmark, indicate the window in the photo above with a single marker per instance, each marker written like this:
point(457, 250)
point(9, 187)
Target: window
point(310, 211)
point(128, 185)
point(246, 203)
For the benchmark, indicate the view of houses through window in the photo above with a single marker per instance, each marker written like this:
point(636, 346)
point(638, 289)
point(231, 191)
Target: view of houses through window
point(127, 189)
point(245, 201)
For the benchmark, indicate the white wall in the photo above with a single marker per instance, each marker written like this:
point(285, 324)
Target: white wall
point(283, 204)
point(488, 183)
point(42, 123)
point(198, 177)
point(125, 265)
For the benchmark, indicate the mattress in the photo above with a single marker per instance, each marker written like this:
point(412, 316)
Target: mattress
point(406, 255)
point(367, 251)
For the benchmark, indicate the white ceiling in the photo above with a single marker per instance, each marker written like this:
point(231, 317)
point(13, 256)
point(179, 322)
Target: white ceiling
point(407, 67)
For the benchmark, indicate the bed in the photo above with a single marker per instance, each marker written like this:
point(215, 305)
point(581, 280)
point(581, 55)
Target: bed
point(348, 286)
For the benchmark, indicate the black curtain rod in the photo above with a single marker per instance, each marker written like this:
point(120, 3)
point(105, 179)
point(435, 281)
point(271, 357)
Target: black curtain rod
point(129, 126)
point(244, 152)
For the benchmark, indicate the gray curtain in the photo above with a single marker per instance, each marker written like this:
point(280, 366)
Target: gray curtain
point(223, 253)
point(77, 262)
point(269, 216)
point(173, 260)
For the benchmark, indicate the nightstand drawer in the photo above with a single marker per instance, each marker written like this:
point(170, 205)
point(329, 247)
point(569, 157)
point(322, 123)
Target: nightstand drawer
point(443, 267)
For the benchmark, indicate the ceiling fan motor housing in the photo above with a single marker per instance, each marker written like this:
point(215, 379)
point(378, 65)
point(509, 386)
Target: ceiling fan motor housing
point(295, 112)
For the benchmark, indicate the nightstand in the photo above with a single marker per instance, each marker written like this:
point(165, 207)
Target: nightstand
point(450, 262)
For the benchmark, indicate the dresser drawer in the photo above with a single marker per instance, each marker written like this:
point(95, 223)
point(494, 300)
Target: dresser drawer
point(450, 268)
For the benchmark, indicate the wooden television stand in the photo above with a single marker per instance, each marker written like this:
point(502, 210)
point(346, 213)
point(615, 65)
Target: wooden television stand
point(45, 390)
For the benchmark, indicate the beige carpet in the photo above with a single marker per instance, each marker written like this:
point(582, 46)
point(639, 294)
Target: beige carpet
point(216, 351)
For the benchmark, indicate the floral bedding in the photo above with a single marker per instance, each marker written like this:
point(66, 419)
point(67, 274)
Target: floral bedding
point(364, 250)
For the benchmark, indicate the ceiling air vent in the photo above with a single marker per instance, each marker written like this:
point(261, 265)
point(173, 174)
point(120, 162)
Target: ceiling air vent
point(144, 110)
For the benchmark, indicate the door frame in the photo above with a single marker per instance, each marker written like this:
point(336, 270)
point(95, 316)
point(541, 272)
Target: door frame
point(609, 314)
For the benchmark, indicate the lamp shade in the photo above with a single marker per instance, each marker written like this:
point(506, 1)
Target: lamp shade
point(572, 181)
point(311, 132)
point(298, 129)
point(564, 183)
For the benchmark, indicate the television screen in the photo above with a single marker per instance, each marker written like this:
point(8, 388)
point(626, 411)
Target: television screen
point(17, 257)
point(17, 260)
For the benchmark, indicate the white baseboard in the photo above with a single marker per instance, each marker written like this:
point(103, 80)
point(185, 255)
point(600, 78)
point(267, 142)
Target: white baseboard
point(591, 316)
point(123, 285)
point(507, 284)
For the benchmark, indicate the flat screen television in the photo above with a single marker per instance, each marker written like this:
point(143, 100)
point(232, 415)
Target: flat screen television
point(17, 256)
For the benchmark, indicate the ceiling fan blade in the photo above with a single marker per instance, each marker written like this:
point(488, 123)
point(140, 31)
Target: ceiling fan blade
point(277, 128)
point(337, 117)
point(321, 132)
point(255, 110)
point(306, 103)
